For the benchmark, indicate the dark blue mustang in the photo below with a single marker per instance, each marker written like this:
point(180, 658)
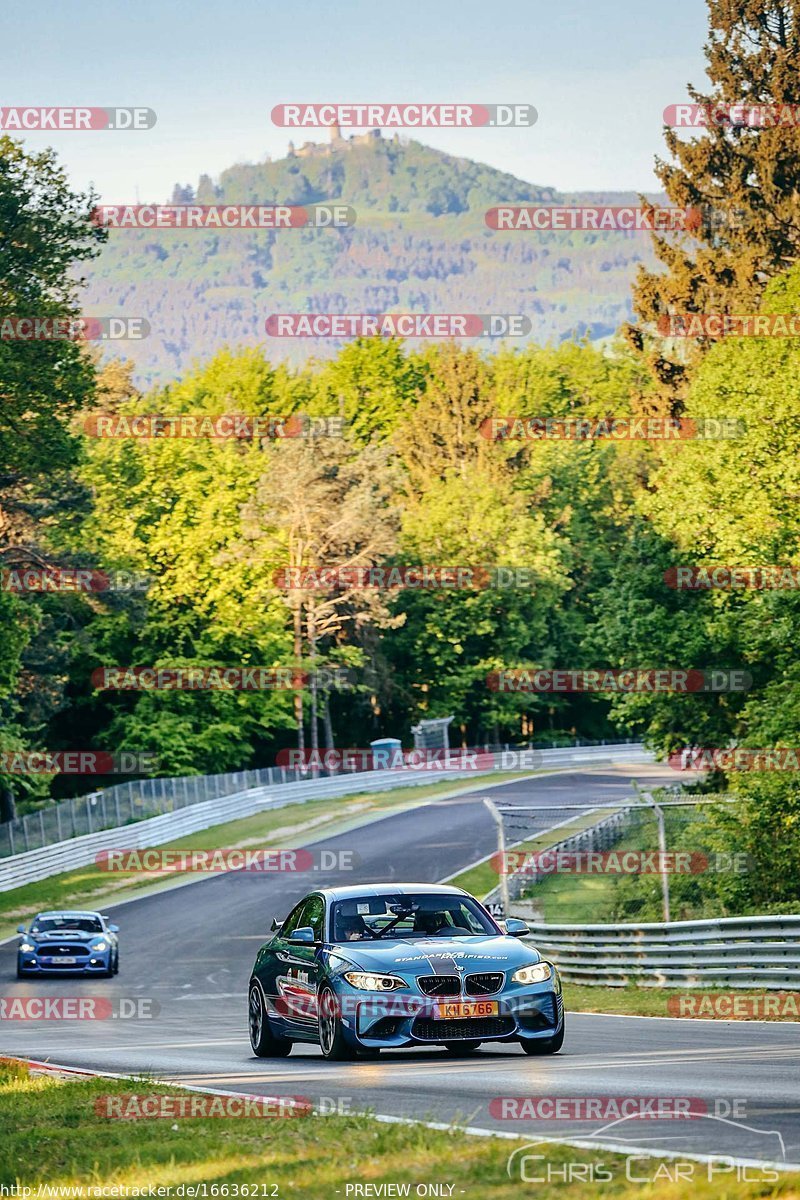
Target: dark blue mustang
point(363, 968)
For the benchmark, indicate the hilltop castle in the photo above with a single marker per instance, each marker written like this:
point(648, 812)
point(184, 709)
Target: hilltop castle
point(336, 142)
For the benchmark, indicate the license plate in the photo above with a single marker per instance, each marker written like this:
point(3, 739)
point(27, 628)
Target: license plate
point(59, 958)
point(469, 1008)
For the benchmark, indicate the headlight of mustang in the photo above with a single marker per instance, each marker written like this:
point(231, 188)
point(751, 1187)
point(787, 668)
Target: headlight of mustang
point(100, 946)
point(27, 948)
point(536, 973)
point(374, 983)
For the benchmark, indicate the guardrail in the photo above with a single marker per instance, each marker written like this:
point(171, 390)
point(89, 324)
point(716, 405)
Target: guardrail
point(33, 865)
point(730, 952)
point(138, 799)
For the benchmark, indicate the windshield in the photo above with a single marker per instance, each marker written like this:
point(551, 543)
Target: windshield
point(409, 915)
point(60, 924)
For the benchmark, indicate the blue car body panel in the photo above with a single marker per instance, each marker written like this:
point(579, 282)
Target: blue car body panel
point(475, 970)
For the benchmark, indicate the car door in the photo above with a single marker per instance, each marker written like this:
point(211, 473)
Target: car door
point(270, 966)
point(297, 969)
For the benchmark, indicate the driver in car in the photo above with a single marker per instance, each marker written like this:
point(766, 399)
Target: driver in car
point(352, 928)
point(430, 922)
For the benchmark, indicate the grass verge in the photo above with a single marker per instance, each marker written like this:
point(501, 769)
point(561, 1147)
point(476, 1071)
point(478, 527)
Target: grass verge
point(709, 1003)
point(53, 1136)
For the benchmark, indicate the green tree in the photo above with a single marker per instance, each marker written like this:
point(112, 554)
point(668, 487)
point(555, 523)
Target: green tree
point(741, 178)
point(45, 234)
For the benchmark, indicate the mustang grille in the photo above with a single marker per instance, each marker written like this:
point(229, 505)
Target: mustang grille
point(53, 948)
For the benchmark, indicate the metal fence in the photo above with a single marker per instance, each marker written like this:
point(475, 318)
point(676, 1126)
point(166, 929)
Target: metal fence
point(124, 803)
point(663, 855)
point(600, 835)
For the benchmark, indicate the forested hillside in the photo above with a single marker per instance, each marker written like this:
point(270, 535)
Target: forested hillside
point(420, 244)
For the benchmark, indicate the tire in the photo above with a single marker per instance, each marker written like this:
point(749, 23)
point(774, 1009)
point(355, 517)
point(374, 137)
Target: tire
point(116, 963)
point(20, 972)
point(332, 1041)
point(264, 1042)
point(461, 1047)
point(544, 1045)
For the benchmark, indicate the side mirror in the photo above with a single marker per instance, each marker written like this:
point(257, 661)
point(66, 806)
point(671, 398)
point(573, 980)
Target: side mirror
point(113, 929)
point(515, 927)
point(21, 929)
point(276, 924)
point(304, 936)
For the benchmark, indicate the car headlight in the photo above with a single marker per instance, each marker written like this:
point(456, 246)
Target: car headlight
point(27, 948)
point(100, 946)
point(535, 973)
point(373, 983)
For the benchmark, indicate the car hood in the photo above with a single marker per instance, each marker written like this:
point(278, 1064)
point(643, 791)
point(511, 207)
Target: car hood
point(437, 956)
point(64, 935)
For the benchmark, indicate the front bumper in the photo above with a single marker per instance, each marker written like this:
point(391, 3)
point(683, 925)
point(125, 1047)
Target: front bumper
point(401, 1019)
point(96, 963)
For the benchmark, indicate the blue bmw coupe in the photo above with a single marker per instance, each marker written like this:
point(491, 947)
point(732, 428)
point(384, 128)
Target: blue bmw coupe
point(364, 968)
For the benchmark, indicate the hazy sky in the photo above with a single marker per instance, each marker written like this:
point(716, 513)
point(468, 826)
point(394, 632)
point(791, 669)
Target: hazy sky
point(600, 73)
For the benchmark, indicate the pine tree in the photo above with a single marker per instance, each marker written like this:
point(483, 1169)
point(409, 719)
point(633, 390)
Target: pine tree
point(744, 180)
